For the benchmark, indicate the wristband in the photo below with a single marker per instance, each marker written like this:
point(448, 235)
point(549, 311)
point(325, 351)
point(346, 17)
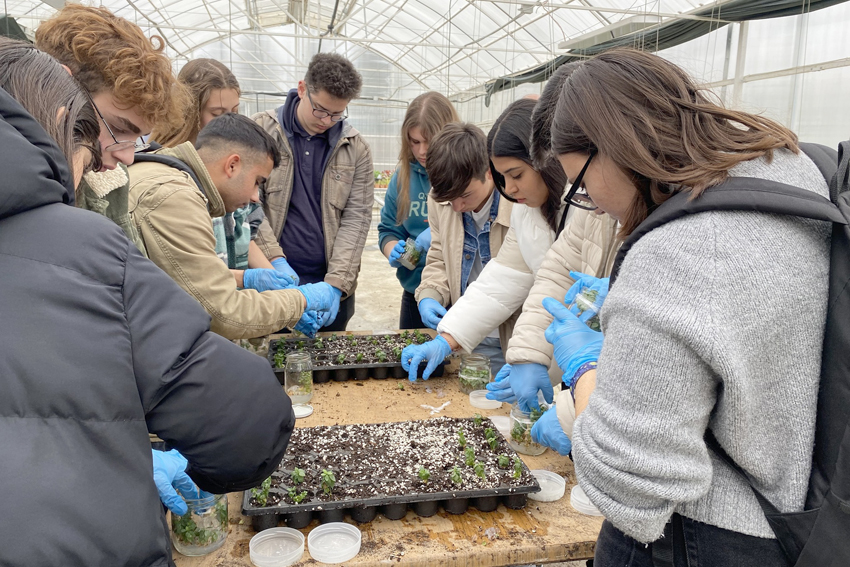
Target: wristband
point(579, 373)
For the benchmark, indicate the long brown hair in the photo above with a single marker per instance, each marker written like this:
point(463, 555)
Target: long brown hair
point(648, 116)
point(51, 96)
point(430, 112)
point(200, 77)
point(510, 136)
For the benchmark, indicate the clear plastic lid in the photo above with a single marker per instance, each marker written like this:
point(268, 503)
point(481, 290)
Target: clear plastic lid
point(552, 486)
point(334, 542)
point(478, 399)
point(580, 501)
point(276, 547)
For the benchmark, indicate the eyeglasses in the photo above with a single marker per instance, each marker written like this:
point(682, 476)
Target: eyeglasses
point(320, 113)
point(138, 146)
point(578, 195)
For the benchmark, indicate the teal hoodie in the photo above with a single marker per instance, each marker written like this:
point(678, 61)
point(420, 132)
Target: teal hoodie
point(415, 223)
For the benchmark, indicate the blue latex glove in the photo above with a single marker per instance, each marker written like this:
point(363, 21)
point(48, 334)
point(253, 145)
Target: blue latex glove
point(433, 352)
point(396, 253)
point(282, 266)
point(583, 281)
point(423, 242)
point(548, 431)
point(334, 310)
point(526, 380)
point(500, 387)
point(322, 317)
point(431, 312)
point(308, 324)
point(169, 475)
point(575, 343)
point(320, 297)
point(263, 279)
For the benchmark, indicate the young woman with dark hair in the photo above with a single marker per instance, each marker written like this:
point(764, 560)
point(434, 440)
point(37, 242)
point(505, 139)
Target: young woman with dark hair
point(714, 324)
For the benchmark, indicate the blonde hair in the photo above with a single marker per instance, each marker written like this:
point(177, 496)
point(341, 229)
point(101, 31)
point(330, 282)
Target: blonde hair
point(200, 77)
point(430, 112)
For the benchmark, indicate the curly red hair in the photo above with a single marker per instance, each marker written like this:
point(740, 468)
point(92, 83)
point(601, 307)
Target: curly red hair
point(106, 52)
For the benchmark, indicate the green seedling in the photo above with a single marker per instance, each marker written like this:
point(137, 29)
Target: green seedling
point(300, 345)
point(374, 341)
point(280, 357)
point(477, 419)
point(359, 357)
point(319, 343)
point(328, 481)
point(469, 456)
point(473, 379)
point(478, 469)
point(261, 493)
point(494, 443)
point(461, 438)
point(333, 337)
point(352, 339)
point(297, 497)
point(298, 475)
point(382, 356)
point(188, 532)
point(504, 461)
point(517, 468)
point(340, 359)
point(405, 334)
point(521, 431)
point(489, 433)
point(424, 474)
point(455, 476)
point(400, 386)
point(590, 296)
point(397, 352)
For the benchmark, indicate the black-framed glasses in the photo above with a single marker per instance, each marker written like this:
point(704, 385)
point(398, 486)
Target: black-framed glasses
point(117, 146)
point(321, 113)
point(578, 195)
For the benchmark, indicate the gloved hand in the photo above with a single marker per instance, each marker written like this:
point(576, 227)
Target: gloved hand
point(396, 253)
point(322, 318)
point(308, 324)
point(548, 431)
point(263, 279)
point(575, 343)
point(334, 310)
point(526, 380)
point(500, 387)
point(431, 312)
point(423, 242)
point(583, 281)
point(433, 352)
point(320, 297)
point(282, 266)
point(169, 473)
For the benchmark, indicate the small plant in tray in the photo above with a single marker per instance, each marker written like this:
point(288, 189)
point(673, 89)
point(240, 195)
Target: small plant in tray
point(295, 496)
point(328, 481)
point(261, 493)
point(298, 475)
point(424, 474)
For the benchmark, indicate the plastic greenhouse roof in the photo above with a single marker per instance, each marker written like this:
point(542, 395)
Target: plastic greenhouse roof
point(447, 45)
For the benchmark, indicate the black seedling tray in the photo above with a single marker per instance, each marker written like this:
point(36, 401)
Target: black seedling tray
point(342, 372)
point(395, 507)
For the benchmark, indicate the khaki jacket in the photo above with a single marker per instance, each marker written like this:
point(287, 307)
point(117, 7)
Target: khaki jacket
point(442, 272)
point(175, 221)
point(348, 187)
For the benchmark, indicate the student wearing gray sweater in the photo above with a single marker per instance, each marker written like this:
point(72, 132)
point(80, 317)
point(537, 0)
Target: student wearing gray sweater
point(714, 323)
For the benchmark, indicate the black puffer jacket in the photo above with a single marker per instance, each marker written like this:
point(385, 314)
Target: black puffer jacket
point(97, 347)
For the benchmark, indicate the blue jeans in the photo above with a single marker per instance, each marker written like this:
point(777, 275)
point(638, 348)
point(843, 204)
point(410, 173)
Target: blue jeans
point(492, 348)
point(704, 546)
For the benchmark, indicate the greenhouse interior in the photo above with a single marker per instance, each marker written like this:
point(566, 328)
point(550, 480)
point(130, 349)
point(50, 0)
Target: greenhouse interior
point(481, 175)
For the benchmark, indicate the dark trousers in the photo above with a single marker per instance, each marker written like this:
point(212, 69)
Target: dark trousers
point(702, 546)
point(346, 312)
point(409, 318)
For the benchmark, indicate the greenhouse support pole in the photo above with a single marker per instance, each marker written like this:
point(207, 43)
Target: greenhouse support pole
point(738, 85)
point(799, 61)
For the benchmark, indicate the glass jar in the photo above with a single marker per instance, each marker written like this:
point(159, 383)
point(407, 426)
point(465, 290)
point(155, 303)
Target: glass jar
point(411, 255)
point(521, 423)
point(586, 300)
point(203, 528)
point(474, 373)
point(299, 378)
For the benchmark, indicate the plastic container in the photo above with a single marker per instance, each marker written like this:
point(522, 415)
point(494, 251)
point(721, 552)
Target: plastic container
point(580, 501)
point(411, 255)
point(552, 486)
point(521, 423)
point(474, 373)
point(478, 399)
point(203, 528)
point(588, 300)
point(299, 378)
point(334, 543)
point(276, 547)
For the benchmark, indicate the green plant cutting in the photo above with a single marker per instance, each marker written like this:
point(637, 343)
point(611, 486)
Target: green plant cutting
point(328, 481)
point(261, 493)
point(424, 474)
point(298, 475)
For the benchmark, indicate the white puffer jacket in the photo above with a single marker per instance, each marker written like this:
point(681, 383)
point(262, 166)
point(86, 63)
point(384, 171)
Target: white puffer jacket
point(505, 281)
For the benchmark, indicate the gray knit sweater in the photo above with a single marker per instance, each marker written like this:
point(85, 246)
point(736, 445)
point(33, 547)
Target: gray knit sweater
point(715, 321)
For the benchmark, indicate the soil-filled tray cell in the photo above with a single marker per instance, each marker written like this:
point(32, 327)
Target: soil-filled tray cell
point(385, 467)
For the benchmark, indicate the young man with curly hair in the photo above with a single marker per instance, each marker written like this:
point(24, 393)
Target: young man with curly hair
point(132, 85)
point(318, 202)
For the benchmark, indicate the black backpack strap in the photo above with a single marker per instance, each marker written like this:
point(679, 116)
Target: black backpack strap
point(170, 161)
point(735, 194)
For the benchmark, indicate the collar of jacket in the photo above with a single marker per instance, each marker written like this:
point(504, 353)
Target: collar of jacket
point(102, 183)
point(417, 167)
point(286, 113)
point(186, 153)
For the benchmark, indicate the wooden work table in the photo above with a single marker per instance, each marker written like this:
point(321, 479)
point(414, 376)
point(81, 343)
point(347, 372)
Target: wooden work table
point(539, 533)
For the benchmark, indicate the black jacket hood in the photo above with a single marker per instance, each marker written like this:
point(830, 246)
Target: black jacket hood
point(34, 171)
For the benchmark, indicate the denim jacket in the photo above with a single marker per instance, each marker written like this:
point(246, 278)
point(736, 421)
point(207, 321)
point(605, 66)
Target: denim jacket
point(476, 242)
